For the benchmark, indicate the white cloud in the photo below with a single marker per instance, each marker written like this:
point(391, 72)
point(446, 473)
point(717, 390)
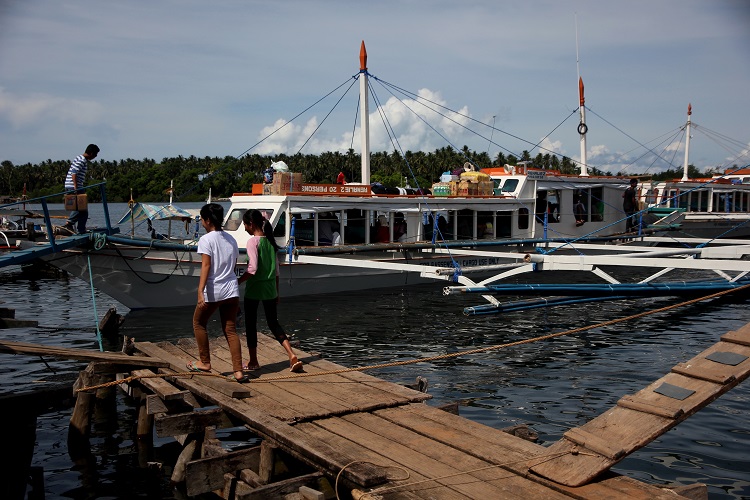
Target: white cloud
point(29, 111)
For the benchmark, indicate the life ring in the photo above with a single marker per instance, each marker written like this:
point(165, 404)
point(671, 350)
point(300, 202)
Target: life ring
point(582, 128)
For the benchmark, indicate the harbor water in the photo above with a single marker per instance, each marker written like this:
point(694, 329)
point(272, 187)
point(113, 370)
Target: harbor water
point(551, 385)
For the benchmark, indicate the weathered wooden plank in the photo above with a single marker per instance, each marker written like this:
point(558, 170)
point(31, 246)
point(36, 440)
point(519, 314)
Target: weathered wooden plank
point(349, 448)
point(445, 465)
point(271, 400)
point(10, 347)
point(207, 474)
point(318, 454)
point(628, 429)
point(194, 421)
point(333, 395)
point(646, 407)
point(164, 389)
point(703, 368)
point(741, 336)
point(281, 488)
point(397, 392)
point(219, 384)
point(496, 447)
point(594, 443)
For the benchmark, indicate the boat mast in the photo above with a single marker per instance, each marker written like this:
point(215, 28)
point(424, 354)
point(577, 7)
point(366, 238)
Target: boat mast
point(364, 111)
point(687, 144)
point(582, 128)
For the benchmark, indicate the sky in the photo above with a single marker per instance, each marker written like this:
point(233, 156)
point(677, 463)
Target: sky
point(162, 78)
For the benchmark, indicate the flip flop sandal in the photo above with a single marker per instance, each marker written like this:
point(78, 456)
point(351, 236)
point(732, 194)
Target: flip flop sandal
point(241, 380)
point(195, 368)
point(296, 367)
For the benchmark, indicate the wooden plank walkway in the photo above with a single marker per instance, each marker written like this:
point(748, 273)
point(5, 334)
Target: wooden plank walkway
point(373, 435)
point(639, 419)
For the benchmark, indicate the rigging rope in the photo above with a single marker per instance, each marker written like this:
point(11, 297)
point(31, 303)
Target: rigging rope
point(281, 378)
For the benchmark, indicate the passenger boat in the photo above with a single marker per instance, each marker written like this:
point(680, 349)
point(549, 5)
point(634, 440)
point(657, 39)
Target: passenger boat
point(712, 207)
point(341, 237)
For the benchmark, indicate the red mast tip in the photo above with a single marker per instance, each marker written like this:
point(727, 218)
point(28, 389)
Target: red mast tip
point(363, 57)
point(580, 90)
point(690, 109)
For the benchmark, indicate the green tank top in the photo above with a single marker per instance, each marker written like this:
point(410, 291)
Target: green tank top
point(262, 284)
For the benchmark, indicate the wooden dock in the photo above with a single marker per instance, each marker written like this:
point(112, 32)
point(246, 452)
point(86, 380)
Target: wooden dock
point(369, 438)
point(333, 428)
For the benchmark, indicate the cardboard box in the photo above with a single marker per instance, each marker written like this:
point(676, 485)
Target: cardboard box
point(485, 188)
point(466, 188)
point(285, 182)
point(77, 202)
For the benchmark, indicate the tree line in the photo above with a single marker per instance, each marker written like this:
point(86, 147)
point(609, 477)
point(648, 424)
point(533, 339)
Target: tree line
point(149, 181)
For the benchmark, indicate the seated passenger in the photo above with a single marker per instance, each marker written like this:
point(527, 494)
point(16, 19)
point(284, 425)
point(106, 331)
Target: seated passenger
point(328, 227)
point(399, 228)
point(382, 232)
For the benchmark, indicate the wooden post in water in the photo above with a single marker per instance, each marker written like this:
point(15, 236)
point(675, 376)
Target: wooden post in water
point(80, 420)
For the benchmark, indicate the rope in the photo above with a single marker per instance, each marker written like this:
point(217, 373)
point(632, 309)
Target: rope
point(432, 358)
point(93, 299)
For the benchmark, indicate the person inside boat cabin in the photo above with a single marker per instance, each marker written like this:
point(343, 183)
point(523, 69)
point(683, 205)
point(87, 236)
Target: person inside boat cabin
point(553, 204)
point(382, 231)
point(399, 228)
point(630, 204)
point(579, 210)
point(328, 228)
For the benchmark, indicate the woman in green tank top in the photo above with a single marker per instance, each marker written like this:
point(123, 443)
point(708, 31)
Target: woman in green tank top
point(262, 277)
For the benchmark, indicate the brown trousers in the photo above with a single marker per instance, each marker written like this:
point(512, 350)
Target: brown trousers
point(228, 310)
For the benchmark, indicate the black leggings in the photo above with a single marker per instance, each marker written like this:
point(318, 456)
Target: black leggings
point(251, 319)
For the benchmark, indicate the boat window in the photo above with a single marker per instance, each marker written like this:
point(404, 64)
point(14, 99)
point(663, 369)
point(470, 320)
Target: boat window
point(280, 229)
point(580, 210)
point(553, 205)
point(673, 194)
point(523, 218)
point(597, 204)
point(509, 186)
point(234, 220)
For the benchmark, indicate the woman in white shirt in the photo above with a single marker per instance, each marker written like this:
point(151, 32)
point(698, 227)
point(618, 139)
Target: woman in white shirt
point(217, 289)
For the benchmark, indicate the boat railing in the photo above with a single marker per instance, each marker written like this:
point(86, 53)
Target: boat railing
point(43, 201)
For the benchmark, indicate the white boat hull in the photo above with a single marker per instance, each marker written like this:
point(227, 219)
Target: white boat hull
point(140, 278)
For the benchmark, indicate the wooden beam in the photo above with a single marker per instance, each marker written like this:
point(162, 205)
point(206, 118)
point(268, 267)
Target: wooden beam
point(194, 421)
point(10, 347)
point(207, 474)
point(282, 488)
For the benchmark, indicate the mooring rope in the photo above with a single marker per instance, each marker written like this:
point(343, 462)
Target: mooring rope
point(423, 360)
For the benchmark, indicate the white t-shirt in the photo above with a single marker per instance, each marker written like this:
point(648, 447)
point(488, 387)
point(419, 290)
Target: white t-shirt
point(222, 282)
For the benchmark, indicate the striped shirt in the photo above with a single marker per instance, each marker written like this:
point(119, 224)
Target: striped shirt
point(78, 167)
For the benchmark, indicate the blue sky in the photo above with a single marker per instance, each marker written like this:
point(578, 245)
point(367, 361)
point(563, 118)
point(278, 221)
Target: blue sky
point(162, 78)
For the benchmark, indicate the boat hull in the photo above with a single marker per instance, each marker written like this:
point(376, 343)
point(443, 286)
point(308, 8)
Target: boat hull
point(141, 279)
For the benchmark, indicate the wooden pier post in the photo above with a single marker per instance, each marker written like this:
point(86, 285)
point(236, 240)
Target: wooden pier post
point(267, 462)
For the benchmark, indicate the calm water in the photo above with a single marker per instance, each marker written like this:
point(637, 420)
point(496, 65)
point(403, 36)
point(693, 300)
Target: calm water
point(551, 385)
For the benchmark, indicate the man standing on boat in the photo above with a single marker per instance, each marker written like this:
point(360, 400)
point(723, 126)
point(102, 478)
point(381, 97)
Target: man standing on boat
point(630, 205)
point(74, 182)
